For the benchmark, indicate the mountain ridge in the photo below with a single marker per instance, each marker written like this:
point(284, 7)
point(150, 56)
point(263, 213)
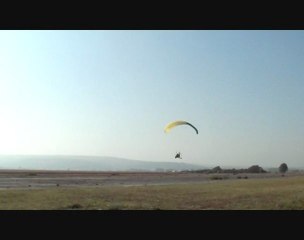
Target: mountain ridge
point(89, 163)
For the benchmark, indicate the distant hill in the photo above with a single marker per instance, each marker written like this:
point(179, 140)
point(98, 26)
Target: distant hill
point(88, 163)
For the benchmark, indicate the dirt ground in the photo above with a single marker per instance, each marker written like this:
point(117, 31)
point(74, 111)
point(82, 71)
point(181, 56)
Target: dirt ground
point(45, 179)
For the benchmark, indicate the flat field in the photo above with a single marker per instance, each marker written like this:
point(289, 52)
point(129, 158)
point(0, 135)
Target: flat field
point(37, 190)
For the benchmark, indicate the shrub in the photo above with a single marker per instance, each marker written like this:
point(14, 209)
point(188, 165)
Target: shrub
point(75, 206)
point(217, 169)
point(216, 178)
point(283, 168)
point(256, 169)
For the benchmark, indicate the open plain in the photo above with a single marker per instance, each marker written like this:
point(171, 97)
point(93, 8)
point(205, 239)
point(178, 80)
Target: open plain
point(46, 179)
point(63, 190)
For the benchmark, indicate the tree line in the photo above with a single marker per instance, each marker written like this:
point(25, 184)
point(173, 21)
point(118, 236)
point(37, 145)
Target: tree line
point(283, 168)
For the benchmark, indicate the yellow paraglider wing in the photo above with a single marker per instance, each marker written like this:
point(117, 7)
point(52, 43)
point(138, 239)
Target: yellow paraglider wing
point(177, 123)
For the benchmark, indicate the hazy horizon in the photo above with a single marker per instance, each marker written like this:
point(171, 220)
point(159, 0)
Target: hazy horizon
point(105, 163)
point(111, 93)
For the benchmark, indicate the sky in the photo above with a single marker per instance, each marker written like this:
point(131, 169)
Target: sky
point(111, 93)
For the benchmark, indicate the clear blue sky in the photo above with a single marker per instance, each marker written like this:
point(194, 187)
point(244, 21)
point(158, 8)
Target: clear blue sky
point(111, 93)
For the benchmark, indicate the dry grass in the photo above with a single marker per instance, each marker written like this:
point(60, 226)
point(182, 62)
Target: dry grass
point(239, 194)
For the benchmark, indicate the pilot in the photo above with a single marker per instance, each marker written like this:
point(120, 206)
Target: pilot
point(178, 155)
